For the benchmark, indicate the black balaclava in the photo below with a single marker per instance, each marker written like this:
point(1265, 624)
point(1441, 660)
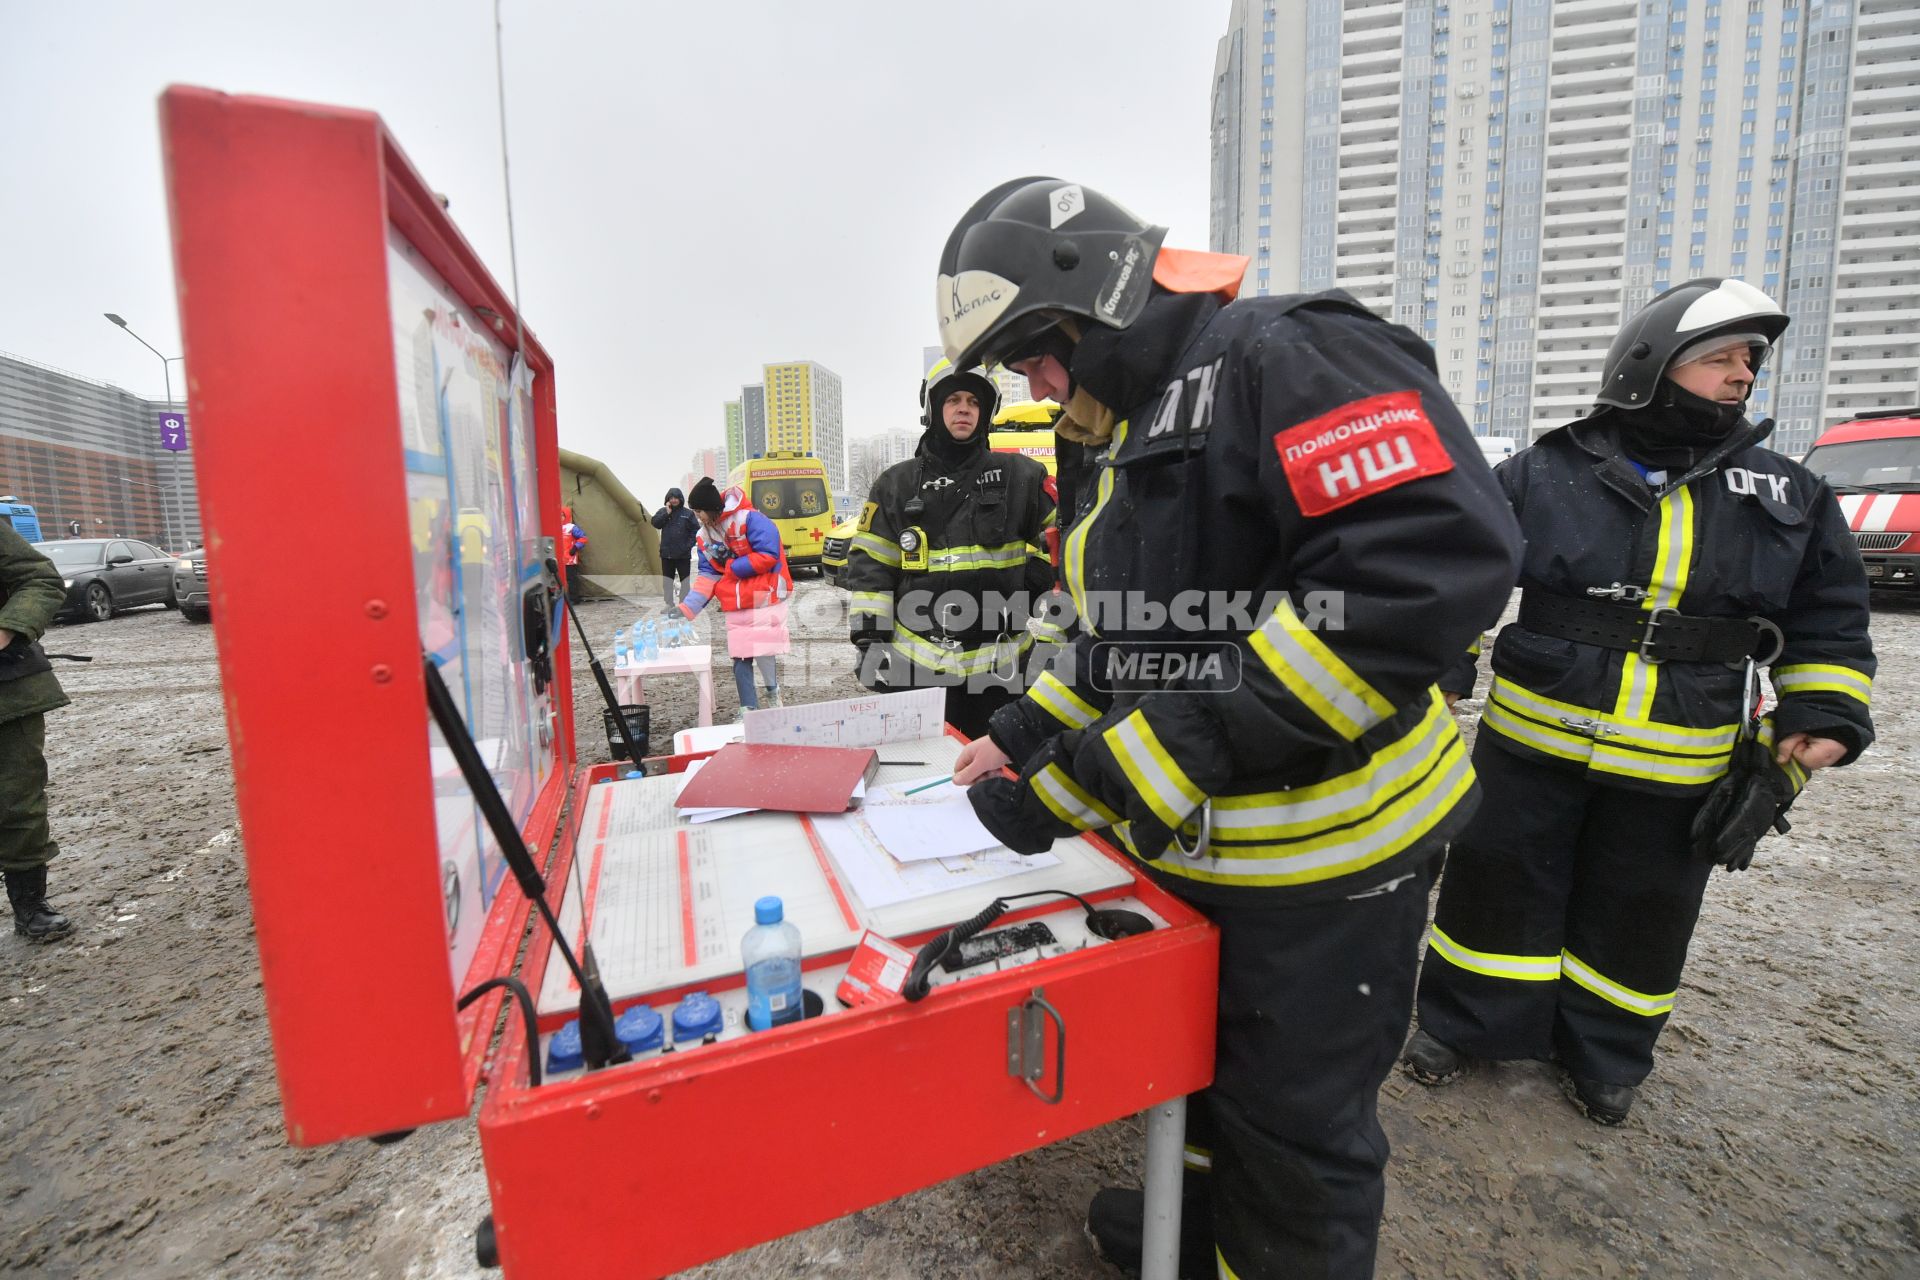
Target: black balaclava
point(938, 445)
point(1678, 428)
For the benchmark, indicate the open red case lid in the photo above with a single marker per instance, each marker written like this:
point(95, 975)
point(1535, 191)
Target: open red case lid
point(358, 405)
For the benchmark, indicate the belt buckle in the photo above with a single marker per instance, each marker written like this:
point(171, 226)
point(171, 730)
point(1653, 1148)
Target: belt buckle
point(1647, 636)
point(1626, 592)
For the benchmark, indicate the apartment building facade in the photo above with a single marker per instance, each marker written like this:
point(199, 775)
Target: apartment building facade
point(1510, 178)
point(804, 414)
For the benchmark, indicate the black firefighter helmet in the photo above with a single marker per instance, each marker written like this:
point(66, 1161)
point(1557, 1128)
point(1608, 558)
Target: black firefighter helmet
point(1031, 252)
point(943, 380)
point(1677, 322)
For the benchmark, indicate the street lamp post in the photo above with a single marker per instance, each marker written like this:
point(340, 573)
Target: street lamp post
point(166, 374)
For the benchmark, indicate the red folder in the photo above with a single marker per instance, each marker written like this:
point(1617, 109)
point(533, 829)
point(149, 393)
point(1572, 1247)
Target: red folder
point(764, 775)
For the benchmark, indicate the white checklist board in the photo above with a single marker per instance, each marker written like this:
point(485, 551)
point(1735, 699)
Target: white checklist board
point(670, 900)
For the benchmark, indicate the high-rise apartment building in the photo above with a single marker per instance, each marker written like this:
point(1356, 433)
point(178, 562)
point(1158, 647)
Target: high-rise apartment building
point(753, 421)
point(1853, 278)
point(804, 414)
point(736, 451)
point(1510, 178)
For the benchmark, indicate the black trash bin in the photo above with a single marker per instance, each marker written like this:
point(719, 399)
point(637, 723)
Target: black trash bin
point(632, 744)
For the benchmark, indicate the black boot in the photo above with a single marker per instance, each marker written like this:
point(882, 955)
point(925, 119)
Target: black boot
point(1116, 1225)
point(1599, 1101)
point(1431, 1062)
point(33, 919)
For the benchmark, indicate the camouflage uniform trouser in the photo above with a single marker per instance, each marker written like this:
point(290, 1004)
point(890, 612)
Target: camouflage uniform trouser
point(25, 840)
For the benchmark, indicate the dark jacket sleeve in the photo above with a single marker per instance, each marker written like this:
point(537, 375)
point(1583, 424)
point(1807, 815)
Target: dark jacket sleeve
point(661, 517)
point(34, 588)
point(1389, 590)
point(1824, 674)
point(873, 566)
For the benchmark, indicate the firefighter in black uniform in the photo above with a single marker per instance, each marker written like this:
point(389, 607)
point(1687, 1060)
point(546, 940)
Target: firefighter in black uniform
point(1264, 465)
point(950, 553)
point(1669, 557)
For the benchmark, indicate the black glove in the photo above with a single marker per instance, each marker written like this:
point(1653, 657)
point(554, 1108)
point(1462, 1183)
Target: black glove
point(1741, 807)
point(1016, 817)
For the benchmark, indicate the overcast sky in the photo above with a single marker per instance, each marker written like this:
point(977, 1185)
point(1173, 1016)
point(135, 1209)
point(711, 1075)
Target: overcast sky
point(699, 188)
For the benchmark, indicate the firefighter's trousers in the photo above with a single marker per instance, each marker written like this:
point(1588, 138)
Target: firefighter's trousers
point(1565, 911)
point(1314, 1002)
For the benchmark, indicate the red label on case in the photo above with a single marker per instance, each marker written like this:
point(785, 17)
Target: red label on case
point(1360, 449)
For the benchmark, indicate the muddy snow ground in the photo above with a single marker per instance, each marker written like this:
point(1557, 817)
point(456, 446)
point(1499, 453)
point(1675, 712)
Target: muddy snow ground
point(140, 1129)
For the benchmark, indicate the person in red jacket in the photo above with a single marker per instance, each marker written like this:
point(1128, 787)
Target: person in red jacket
point(742, 564)
point(572, 538)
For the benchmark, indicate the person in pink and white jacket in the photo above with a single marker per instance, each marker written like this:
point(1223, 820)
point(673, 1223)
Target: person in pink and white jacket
point(741, 563)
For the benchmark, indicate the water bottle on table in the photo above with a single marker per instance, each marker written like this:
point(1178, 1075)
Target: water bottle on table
point(771, 951)
point(619, 646)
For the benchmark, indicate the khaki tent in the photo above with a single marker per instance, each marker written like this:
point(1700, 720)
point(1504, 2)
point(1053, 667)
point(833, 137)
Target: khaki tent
point(622, 555)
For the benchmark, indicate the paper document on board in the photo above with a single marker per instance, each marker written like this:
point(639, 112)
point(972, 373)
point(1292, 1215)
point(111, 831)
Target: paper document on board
point(928, 818)
point(879, 879)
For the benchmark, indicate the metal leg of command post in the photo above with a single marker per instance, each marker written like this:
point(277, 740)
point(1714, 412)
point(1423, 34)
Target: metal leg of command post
point(1166, 1150)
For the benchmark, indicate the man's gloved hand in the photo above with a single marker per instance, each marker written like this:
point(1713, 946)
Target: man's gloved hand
point(1752, 799)
point(1014, 814)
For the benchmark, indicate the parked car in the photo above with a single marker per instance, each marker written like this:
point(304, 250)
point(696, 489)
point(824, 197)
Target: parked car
point(833, 553)
point(190, 589)
point(106, 575)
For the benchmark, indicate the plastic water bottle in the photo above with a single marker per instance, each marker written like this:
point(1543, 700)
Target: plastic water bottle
point(651, 643)
point(771, 950)
point(619, 646)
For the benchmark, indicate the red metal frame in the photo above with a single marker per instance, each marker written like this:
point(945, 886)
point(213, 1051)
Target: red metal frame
point(750, 1139)
point(280, 214)
point(285, 317)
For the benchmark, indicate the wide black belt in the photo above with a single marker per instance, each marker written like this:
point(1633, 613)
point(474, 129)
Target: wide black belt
point(1660, 634)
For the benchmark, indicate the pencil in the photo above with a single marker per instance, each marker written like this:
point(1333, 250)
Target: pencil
point(927, 786)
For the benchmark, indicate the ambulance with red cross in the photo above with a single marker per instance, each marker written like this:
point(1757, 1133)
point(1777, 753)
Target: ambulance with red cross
point(1873, 464)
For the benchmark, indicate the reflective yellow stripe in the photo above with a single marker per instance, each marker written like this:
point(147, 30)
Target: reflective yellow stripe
point(1062, 703)
point(1010, 555)
point(877, 603)
point(1821, 677)
point(1554, 742)
point(979, 660)
point(1628, 763)
point(878, 548)
point(1074, 558)
point(1197, 1157)
point(1152, 771)
point(1672, 562)
point(1492, 963)
point(1630, 751)
point(1340, 800)
point(1315, 674)
point(1612, 992)
point(1069, 801)
point(1220, 1261)
point(1475, 648)
point(1654, 735)
point(1398, 824)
